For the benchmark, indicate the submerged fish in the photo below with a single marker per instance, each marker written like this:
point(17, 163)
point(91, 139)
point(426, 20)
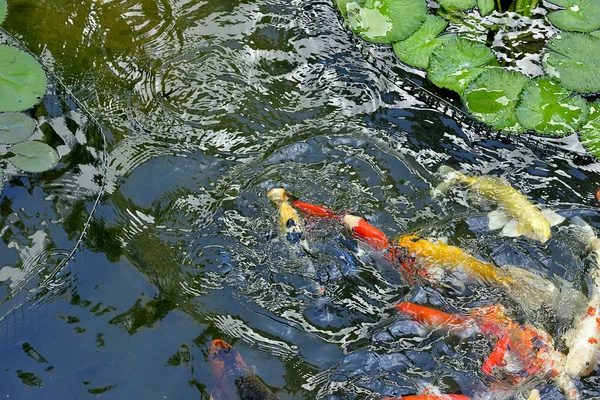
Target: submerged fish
point(234, 380)
point(520, 351)
point(515, 213)
point(289, 220)
point(583, 339)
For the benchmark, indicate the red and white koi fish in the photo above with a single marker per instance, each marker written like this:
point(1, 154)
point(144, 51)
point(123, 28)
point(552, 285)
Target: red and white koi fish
point(583, 339)
point(521, 351)
point(234, 380)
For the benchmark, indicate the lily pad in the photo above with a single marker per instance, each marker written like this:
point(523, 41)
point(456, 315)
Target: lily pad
point(33, 156)
point(456, 63)
point(22, 80)
point(486, 7)
point(385, 21)
point(578, 15)
point(574, 60)
point(589, 134)
point(417, 49)
point(550, 109)
point(492, 98)
point(457, 4)
point(595, 34)
point(3, 10)
point(15, 127)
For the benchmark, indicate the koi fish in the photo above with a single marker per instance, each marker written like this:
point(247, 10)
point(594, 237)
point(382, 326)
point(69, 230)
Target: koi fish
point(430, 397)
point(521, 351)
point(515, 214)
point(289, 220)
point(583, 339)
point(234, 380)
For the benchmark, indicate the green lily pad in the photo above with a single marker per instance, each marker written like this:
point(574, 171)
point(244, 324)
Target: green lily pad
point(33, 156)
point(22, 80)
point(578, 15)
point(386, 21)
point(342, 5)
point(457, 4)
point(589, 134)
point(456, 63)
point(595, 34)
point(3, 9)
point(492, 98)
point(486, 7)
point(417, 49)
point(574, 60)
point(548, 108)
point(15, 127)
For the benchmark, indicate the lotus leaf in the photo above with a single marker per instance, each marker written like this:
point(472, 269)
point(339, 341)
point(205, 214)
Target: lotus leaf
point(343, 5)
point(15, 127)
point(589, 134)
point(548, 108)
point(578, 15)
point(595, 34)
point(457, 4)
point(33, 156)
point(458, 62)
point(386, 21)
point(486, 7)
point(22, 80)
point(574, 60)
point(418, 47)
point(3, 10)
point(492, 98)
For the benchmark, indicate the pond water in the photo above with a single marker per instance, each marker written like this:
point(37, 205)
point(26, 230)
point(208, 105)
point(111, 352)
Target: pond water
point(206, 106)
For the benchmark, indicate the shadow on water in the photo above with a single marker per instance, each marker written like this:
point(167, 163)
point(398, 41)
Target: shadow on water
point(208, 105)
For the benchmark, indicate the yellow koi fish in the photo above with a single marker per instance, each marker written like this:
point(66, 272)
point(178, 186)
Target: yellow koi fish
point(289, 220)
point(583, 339)
point(515, 213)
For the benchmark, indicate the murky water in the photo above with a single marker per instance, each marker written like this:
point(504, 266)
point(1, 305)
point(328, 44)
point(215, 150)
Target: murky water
point(207, 105)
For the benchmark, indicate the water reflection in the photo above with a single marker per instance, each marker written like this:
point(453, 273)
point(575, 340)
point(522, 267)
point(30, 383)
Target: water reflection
point(210, 105)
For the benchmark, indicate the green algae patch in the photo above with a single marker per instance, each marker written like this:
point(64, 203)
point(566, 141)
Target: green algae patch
point(589, 134)
point(574, 60)
point(417, 48)
point(493, 96)
point(456, 63)
point(548, 108)
point(578, 15)
point(22, 80)
point(384, 21)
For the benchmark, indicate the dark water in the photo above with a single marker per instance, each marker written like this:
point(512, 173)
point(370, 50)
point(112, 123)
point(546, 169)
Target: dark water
point(207, 105)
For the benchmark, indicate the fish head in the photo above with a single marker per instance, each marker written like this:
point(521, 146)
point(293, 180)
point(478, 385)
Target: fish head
point(277, 195)
point(226, 363)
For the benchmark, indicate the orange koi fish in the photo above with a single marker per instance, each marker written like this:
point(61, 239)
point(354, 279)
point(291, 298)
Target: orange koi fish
point(521, 351)
point(234, 379)
point(430, 397)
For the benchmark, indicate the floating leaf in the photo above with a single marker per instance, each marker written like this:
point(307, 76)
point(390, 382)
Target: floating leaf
point(492, 98)
point(22, 80)
point(589, 134)
point(486, 7)
point(578, 15)
point(417, 49)
point(15, 127)
point(595, 34)
point(3, 10)
point(385, 21)
point(549, 109)
point(33, 156)
point(342, 5)
point(458, 62)
point(457, 4)
point(574, 60)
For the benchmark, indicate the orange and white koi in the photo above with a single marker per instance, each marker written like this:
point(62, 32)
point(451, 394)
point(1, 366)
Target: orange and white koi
point(583, 339)
point(234, 380)
point(289, 220)
point(520, 351)
point(515, 213)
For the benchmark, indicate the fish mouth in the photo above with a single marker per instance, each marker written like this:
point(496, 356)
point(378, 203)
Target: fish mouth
point(219, 346)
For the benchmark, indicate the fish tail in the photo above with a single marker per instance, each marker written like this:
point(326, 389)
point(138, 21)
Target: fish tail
point(566, 384)
point(315, 210)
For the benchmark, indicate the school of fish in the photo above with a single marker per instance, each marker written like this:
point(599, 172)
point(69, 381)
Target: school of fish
point(520, 351)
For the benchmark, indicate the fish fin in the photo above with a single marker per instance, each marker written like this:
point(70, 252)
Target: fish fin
point(512, 229)
point(498, 219)
point(552, 217)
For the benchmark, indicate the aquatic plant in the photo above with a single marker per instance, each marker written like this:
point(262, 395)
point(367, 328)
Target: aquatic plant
point(588, 134)
point(578, 15)
point(3, 9)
